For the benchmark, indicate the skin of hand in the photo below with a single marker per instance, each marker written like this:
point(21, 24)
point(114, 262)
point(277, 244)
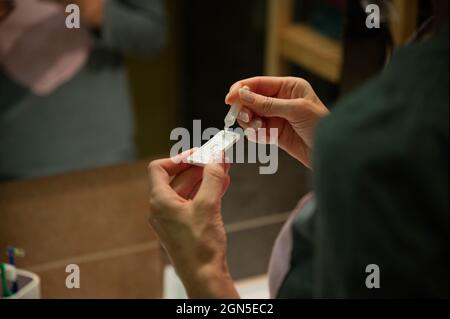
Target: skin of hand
point(185, 213)
point(91, 11)
point(286, 103)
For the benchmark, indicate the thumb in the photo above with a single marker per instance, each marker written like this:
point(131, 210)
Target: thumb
point(270, 106)
point(211, 188)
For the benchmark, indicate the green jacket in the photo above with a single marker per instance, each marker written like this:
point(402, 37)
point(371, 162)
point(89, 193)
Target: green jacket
point(381, 181)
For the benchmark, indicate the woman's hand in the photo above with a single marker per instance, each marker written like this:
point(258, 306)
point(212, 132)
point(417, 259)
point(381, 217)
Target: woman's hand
point(185, 213)
point(286, 103)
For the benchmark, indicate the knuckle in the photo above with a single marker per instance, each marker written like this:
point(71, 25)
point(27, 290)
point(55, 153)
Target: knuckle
point(305, 87)
point(206, 203)
point(292, 79)
point(215, 171)
point(306, 106)
point(266, 104)
point(296, 108)
point(302, 81)
point(155, 200)
point(301, 102)
point(299, 87)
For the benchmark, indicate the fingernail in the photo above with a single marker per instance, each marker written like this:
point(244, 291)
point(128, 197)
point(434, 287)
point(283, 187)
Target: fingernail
point(250, 134)
point(178, 158)
point(244, 117)
point(246, 95)
point(256, 124)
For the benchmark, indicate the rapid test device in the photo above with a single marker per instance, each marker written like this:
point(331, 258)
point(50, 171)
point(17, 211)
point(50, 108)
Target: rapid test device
point(212, 150)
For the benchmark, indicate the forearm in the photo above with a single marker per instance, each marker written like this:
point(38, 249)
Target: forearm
point(129, 26)
point(204, 277)
point(134, 26)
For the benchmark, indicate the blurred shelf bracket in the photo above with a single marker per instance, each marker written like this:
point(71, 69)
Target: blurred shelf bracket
point(404, 23)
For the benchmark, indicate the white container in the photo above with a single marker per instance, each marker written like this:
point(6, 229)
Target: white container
point(29, 286)
point(172, 285)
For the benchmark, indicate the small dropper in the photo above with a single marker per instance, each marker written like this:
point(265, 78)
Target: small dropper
point(230, 119)
point(232, 115)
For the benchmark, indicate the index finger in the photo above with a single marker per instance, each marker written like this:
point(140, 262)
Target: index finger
point(264, 85)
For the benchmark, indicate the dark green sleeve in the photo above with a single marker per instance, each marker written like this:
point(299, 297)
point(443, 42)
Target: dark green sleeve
point(134, 26)
point(382, 182)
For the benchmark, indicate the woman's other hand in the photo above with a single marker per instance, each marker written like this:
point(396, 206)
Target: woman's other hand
point(288, 104)
point(185, 212)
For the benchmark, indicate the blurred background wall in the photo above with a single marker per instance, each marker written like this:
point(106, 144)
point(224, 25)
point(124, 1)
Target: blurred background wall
point(155, 84)
point(209, 48)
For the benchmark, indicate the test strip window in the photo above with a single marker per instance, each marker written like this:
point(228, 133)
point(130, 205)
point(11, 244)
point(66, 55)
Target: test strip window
point(212, 149)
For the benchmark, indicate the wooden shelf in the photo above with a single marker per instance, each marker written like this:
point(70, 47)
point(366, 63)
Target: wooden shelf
point(319, 54)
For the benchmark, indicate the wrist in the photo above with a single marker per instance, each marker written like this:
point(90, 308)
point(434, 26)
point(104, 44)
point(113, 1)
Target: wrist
point(210, 281)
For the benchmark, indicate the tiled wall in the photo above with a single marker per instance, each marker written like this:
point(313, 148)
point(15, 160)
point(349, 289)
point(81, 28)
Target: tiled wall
point(97, 219)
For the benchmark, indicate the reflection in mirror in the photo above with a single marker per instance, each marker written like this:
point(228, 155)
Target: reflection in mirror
point(65, 99)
